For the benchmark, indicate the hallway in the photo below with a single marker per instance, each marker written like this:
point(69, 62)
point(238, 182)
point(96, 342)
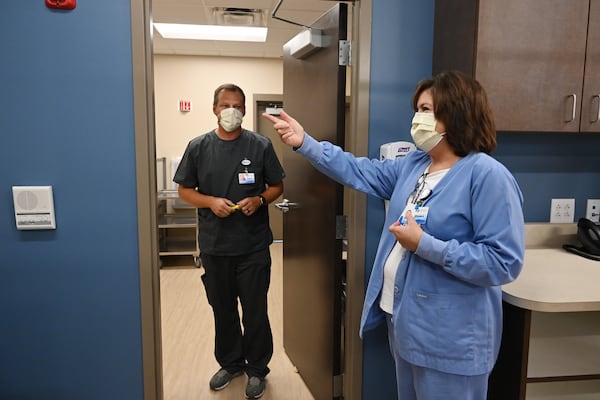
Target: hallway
point(188, 335)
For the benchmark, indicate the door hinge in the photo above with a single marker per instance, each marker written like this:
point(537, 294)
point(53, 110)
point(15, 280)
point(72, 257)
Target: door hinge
point(345, 53)
point(338, 386)
point(341, 227)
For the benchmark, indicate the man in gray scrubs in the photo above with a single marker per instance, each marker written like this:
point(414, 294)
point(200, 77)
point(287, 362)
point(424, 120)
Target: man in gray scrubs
point(231, 175)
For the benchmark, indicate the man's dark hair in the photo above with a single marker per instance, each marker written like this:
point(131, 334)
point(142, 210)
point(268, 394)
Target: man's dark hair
point(230, 87)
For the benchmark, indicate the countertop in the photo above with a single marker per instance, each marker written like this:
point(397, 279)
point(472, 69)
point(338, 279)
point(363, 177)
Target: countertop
point(552, 279)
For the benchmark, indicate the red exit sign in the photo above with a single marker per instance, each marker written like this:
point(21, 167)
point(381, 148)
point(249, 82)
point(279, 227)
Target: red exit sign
point(185, 105)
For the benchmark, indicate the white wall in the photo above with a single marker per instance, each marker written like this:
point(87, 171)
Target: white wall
point(195, 78)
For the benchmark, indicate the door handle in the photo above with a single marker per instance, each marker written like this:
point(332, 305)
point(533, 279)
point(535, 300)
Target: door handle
point(596, 96)
point(285, 205)
point(574, 109)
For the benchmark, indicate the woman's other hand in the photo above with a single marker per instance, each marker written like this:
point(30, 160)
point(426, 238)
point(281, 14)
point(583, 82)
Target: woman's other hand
point(408, 235)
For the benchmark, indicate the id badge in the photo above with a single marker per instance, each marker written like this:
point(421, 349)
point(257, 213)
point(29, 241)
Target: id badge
point(418, 213)
point(246, 178)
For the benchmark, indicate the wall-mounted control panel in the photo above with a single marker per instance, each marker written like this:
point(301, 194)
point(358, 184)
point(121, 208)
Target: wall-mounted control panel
point(34, 207)
point(593, 210)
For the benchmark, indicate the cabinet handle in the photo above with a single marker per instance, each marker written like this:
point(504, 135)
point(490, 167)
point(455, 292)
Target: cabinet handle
point(574, 96)
point(596, 96)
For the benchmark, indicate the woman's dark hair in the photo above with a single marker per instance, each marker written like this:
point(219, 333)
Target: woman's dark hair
point(230, 87)
point(461, 104)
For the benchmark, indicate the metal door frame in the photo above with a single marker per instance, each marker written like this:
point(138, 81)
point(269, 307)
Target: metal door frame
point(355, 203)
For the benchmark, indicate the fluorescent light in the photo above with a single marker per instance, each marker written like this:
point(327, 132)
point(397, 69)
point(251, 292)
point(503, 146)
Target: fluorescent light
point(305, 43)
point(212, 32)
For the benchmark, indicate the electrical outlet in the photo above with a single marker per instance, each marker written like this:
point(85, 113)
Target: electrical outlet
point(593, 210)
point(562, 211)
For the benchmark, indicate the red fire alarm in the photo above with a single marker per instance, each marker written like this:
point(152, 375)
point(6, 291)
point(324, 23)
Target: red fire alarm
point(62, 4)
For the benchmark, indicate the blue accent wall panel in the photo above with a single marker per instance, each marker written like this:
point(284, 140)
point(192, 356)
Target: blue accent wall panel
point(69, 298)
point(401, 44)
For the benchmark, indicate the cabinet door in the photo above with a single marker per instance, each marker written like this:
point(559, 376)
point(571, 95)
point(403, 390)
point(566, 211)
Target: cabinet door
point(590, 103)
point(530, 59)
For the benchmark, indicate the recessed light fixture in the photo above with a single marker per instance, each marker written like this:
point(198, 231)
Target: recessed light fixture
point(212, 32)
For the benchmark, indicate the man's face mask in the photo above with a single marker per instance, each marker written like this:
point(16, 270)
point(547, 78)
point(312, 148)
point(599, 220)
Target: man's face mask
point(423, 131)
point(231, 119)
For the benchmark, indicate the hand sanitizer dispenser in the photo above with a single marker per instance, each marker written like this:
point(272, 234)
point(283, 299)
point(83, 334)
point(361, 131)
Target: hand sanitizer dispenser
point(393, 150)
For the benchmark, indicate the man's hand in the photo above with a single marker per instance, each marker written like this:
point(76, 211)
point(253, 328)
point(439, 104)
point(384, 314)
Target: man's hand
point(222, 207)
point(289, 130)
point(249, 205)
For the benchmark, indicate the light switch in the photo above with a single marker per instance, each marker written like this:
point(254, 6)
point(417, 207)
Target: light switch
point(34, 207)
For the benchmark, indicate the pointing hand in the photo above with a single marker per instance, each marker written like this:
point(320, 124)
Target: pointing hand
point(289, 130)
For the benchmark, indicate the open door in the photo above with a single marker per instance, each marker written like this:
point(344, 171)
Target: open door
point(314, 93)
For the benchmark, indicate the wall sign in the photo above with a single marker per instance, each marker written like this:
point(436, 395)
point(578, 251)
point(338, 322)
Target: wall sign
point(185, 105)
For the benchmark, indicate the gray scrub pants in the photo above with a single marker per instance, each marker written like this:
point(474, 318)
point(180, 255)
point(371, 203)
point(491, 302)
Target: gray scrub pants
point(245, 345)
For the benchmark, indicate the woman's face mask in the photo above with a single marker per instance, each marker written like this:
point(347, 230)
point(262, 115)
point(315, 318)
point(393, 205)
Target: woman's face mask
point(231, 119)
point(423, 131)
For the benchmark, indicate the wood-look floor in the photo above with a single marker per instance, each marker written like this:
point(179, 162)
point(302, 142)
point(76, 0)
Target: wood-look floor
point(188, 337)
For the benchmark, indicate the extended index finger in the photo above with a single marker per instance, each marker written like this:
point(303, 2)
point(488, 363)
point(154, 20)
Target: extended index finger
point(271, 118)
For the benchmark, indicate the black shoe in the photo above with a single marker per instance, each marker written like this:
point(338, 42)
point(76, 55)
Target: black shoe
point(221, 379)
point(255, 387)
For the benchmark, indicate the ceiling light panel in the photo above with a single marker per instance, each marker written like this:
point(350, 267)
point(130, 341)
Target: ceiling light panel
point(212, 32)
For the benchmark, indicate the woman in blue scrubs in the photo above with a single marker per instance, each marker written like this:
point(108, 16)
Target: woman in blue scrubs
point(454, 233)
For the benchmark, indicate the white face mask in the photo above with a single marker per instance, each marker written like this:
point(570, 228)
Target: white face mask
point(423, 131)
point(231, 119)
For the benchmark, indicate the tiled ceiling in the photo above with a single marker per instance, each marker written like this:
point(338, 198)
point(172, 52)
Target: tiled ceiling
point(303, 12)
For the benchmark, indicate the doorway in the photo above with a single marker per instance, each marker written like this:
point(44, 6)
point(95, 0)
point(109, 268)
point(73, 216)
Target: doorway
point(263, 103)
point(145, 153)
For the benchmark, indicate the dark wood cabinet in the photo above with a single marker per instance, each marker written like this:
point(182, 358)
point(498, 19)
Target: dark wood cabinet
point(539, 60)
point(590, 111)
point(547, 355)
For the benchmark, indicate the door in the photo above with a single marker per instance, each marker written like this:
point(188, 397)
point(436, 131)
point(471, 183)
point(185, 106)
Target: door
point(528, 55)
point(314, 94)
point(590, 102)
point(545, 70)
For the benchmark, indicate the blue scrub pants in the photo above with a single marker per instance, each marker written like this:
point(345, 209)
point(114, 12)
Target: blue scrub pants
point(420, 383)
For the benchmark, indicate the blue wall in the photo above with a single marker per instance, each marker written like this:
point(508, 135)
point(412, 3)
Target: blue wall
point(545, 165)
point(552, 165)
point(401, 44)
point(69, 298)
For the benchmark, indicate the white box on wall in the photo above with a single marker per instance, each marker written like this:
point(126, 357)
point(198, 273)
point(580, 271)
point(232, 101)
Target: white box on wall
point(34, 207)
